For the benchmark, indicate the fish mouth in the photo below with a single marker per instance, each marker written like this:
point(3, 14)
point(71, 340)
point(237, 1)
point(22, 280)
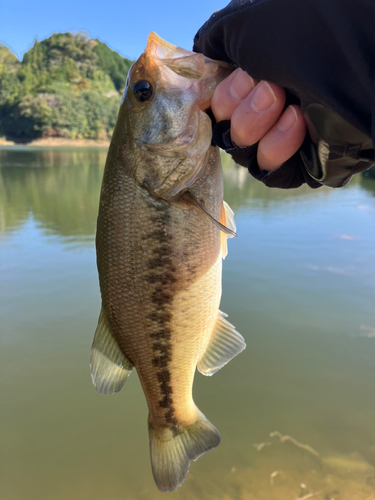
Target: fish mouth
point(187, 69)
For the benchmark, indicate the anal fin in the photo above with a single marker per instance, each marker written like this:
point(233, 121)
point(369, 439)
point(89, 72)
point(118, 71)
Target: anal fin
point(108, 364)
point(225, 344)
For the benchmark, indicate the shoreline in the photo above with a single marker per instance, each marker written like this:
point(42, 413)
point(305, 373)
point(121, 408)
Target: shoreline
point(58, 142)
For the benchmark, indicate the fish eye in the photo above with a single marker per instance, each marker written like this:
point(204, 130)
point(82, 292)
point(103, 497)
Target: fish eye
point(142, 90)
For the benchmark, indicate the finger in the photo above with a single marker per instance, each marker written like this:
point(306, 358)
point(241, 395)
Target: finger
point(257, 113)
point(283, 140)
point(230, 92)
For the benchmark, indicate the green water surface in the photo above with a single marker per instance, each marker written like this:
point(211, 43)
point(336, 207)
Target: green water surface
point(298, 283)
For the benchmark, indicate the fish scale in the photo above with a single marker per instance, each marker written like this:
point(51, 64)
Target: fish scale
point(159, 253)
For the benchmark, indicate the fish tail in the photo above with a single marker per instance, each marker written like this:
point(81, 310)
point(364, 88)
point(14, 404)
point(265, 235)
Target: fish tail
point(172, 449)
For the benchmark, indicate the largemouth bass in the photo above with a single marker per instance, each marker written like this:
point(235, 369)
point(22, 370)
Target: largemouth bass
point(161, 236)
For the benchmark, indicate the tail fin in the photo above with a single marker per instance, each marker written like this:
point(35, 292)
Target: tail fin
point(172, 449)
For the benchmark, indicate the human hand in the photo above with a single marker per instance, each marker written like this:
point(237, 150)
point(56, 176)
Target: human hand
point(256, 113)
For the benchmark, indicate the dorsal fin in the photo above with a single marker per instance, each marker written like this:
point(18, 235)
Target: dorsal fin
point(108, 364)
point(224, 345)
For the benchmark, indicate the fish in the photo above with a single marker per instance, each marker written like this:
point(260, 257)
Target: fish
point(162, 233)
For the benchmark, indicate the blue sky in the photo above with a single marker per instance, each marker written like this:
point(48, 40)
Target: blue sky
point(124, 26)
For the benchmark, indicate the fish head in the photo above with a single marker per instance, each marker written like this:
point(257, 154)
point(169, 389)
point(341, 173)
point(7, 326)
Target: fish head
point(167, 131)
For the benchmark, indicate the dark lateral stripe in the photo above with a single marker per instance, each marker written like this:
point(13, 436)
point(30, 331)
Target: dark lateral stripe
point(162, 275)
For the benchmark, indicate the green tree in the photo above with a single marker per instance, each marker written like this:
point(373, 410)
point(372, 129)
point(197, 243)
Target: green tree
point(66, 85)
point(112, 63)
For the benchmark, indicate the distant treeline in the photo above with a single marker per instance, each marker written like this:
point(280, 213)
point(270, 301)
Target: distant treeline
point(65, 86)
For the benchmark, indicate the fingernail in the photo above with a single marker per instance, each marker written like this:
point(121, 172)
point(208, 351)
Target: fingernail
point(263, 97)
point(288, 120)
point(241, 85)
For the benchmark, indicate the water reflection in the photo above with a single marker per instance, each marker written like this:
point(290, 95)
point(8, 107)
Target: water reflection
point(59, 188)
point(368, 183)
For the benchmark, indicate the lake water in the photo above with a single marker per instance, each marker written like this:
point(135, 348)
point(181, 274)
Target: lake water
point(298, 283)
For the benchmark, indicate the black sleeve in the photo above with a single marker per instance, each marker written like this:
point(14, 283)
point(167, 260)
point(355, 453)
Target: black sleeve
point(323, 53)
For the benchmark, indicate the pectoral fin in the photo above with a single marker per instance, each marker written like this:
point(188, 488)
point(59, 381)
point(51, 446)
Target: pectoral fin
point(225, 344)
point(109, 365)
point(227, 220)
point(191, 199)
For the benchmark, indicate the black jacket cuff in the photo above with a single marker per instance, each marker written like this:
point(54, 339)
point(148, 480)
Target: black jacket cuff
point(315, 164)
point(290, 174)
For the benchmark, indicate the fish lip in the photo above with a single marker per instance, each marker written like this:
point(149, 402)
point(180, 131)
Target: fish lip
point(154, 41)
point(198, 70)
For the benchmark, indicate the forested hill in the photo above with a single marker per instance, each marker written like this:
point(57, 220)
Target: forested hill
point(65, 86)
